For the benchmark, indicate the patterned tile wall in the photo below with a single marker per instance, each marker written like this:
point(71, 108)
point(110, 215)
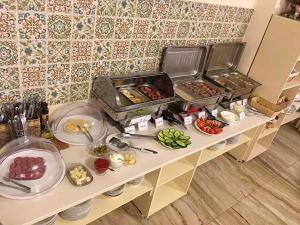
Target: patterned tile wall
point(54, 48)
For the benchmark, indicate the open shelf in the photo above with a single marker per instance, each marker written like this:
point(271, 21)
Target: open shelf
point(258, 149)
point(207, 154)
point(267, 132)
point(293, 83)
point(290, 117)
point(102, 204)
point(170, 192)
point(174, 170)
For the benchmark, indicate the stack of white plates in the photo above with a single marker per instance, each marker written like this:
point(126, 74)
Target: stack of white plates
point(136, 181)
point(116, 191)
point(49, 221)
point(77, 212)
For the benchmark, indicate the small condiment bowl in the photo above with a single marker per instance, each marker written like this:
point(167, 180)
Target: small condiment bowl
point(101, 165)
point(129, 157)
point(92, 148)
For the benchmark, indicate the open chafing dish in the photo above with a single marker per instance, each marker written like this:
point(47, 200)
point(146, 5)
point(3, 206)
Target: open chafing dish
point(221, 67)
point(126, 98)
point(185, 66)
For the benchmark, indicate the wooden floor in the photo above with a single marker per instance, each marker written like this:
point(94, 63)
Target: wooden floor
point(264, 191)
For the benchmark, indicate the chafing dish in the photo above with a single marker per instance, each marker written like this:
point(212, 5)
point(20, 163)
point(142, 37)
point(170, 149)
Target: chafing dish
point(221, 68)
point(132, 96)
point(185, 66)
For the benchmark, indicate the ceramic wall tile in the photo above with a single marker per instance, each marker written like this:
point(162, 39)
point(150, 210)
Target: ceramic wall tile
point(174, 11)
point(89, 38)
point(104, 28)
point(9, 78)
point(79, 91)
point(10, 96)
point(80, 72)
point(59, 26)
point(100, 68)
point(8, 5)
point(34, 93)
point(216, 30)
point(59, 51)
point(156, 28)
point(33, 76)
point(107, 7)
point(83, 27)
point(140, 30)
point(123, 28)
point(58, 74)
point(211, 13)
point(137, 49)
point(81, 51)
point(120, 49)
point(183, 29)
point(8, 53)
point(58, 94)
point(36, 5)
point(152, 48)
point(7, 25)
point(160, 9)
point(144, 8)
point(84, 7)
point(32, 25)
point(231, 14)
point(64, 6)
point(150, 64)
point(170, 29)
point(118, 67)
point(126, 8)
point(134, 66)
point(32, 52)
point(102, 50)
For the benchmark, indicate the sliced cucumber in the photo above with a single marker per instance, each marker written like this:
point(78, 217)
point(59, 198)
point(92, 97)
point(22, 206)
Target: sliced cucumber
point(182, 137)
point(188, 142)
point(176, 134)
point(181, 143)
point(161, 138)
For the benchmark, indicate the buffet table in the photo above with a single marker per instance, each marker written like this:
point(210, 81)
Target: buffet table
point(169, 171)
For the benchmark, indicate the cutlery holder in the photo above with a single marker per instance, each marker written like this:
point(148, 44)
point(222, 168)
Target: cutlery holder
point(33, 129)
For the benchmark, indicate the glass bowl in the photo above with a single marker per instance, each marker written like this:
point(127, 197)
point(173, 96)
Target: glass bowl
point(33, 162)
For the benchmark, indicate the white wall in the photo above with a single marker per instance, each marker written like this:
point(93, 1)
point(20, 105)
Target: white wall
point(238, 3)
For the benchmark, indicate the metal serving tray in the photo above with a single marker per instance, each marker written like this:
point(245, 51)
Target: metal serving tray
point(221, 67)
point(193, 99)
point(136, 98)
point(108, 93)
point(186, 64)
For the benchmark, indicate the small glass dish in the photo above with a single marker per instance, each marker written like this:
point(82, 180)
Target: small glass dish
point(101, 165)
point(79, 175)
point(116, 160)
point(129, 157)
point(99, 150)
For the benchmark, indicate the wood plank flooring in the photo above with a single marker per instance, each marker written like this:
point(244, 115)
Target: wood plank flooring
point(264, 191)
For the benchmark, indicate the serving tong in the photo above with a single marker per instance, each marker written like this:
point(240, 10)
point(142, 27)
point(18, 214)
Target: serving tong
point(20, 187)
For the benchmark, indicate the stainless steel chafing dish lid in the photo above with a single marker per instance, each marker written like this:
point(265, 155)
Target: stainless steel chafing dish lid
point(224, 57)
point(182, 63)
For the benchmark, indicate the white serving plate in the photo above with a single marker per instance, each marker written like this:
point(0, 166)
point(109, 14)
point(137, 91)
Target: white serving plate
point(54, 174)
point(80, 139)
